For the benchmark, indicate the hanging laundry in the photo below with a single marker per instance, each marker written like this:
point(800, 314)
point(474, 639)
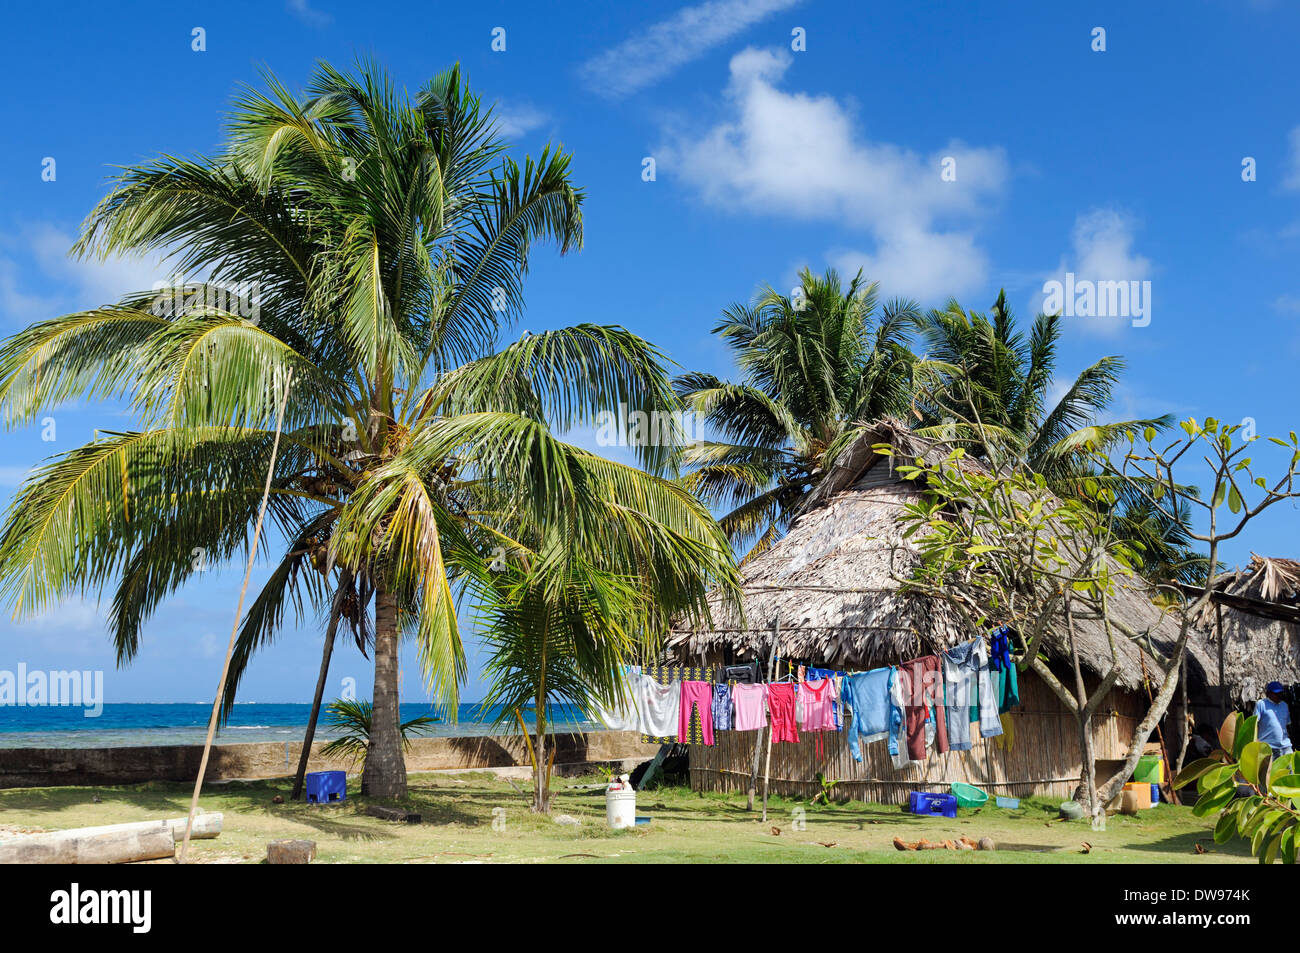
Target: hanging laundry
point(746, 673)
point(658, 706)
point(965, 672)
point(898, 748)
point(1000, 648)
point(867, 694)
point(696, 700)
point(621, 715)
point(722, 719)
point(838, 678)
point(922, 692)
point(816, 699)
point(668, 674)
point(781, 705)
point(1007, 688)
point(750, 703)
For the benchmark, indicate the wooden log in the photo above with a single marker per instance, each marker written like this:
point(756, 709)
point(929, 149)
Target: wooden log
point(392, 814)
point(290, 851)
point(64, 847)
point(117, 844)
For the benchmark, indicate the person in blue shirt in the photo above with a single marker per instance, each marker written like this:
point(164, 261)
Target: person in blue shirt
point(1274, 717)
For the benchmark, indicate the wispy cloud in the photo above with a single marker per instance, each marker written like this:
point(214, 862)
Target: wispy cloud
point(12, 476)
point(36, 256)
point(806, 157)
point(517, 119)
point(308, 14)
point(659, 50)
point(1102, 250)
point(1291, 171)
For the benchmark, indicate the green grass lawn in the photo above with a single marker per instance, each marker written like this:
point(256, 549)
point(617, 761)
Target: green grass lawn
point(482, 818)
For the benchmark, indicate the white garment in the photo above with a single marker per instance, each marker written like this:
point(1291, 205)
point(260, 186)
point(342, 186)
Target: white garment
point(623, 716)
point(658, 707)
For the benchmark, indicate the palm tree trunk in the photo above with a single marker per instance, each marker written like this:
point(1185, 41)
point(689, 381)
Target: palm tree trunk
point(330, 632)
point(541, 771)
point(385, 772)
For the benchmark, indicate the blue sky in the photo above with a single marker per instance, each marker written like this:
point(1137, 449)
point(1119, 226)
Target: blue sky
point(1122, 164)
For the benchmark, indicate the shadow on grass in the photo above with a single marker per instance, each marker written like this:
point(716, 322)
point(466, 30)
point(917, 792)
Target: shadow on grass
point(1185, 844)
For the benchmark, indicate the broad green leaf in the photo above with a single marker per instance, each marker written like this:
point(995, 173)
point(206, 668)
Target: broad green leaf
point(1287, 785)
point(1252, 756)
point(1270, 852)
point(1212, 801)
point(1234, 500)
point(1289, 844)
point(1281, 766)
point(1225, 828)
point(1244, 735)
point(1215, 777)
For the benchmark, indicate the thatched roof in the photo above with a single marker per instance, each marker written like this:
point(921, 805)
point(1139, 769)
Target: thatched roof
point(1259, 607)
point(831, 581)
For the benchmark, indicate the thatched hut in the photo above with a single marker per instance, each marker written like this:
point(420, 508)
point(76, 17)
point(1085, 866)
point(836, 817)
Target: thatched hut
point(829, 592)
point(1252, 626)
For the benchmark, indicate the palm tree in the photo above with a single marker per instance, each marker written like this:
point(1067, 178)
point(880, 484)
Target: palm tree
point(352, 719)
point(815, 366)
point(387, 238)
point(557, 629)
point(980, 377)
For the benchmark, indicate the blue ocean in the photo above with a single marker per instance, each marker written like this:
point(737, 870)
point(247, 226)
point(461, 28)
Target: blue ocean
point(121, 725)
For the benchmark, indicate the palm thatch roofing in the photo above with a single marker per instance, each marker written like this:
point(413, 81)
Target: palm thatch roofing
point(832, 582)
point(1258, 608)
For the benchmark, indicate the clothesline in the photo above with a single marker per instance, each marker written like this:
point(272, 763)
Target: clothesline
point(929, 700)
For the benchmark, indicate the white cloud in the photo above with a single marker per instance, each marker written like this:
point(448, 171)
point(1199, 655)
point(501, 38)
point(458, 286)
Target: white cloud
point(801, 155)
point(517, 120)
point(307, 14)
point(13, 476)
point(1102, 251)
point(659, 50)
point(38, 255)
point(1287, 304)
point(1291, 173)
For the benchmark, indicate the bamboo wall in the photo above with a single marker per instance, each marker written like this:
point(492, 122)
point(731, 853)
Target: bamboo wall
point(1043, 757)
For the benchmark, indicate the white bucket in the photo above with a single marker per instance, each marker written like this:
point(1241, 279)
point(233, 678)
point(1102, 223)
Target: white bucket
point(620, 807)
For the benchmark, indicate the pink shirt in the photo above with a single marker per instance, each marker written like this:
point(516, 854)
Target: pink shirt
point(815, 699)
point(750, 702)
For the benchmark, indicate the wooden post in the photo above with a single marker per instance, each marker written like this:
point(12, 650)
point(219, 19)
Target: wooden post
point(758, 739)
point(234, 629)
point(767, 769)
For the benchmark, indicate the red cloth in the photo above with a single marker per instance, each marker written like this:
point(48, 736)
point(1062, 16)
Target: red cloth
point(780, 703)
point(922, 683)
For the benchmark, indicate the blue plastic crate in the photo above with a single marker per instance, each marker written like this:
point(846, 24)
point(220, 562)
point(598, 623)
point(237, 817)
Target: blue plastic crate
point(931, 804)
point(324, 787)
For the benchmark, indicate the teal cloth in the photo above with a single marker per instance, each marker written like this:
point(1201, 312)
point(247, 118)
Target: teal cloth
point(1006, 685)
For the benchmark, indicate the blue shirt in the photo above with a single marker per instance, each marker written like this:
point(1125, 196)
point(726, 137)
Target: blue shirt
point(1274, 717)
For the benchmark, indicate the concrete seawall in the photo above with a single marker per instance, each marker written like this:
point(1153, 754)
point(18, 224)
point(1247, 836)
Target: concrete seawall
point(52, 767)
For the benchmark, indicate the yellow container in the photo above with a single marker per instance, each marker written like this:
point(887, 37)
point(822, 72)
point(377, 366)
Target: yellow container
point(1136, 797)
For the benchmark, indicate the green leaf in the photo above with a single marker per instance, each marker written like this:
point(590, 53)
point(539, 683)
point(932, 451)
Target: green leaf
point(1244, 735)
point(1225, 828)
point(1234, 500)
point(1283, 765)
point(1252, 756)
point(1289, 844)
point(1288, 786)
point(1212, 801)
point(1215, 777)
point(1270, 852)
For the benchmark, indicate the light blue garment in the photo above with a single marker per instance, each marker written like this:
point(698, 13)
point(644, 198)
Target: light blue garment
point(867, 693)
point(966, 680)
point(1274, 718)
